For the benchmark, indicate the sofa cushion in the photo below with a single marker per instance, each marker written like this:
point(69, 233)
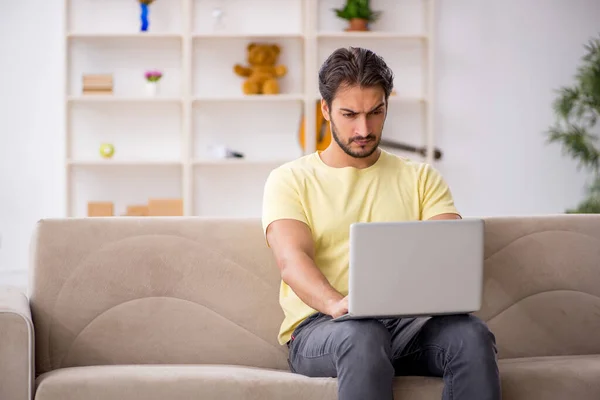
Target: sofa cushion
point(546, 378)
point(551, 378)
point(207, 382)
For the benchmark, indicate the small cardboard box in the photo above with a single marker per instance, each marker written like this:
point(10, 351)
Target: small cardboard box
point(137, 211)
point(100, 209)
point(165, 207)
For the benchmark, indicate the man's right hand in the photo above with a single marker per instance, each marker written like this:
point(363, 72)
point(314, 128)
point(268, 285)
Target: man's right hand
point(338, 308)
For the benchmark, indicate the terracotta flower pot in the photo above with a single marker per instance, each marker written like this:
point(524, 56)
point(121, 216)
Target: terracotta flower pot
point(358, 24)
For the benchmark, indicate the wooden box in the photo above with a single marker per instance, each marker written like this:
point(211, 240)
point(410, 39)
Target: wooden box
point(137, 211)
point(165, 207)
point(100, 209)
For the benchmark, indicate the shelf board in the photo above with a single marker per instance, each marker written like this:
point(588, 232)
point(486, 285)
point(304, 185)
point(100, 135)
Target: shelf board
point(394, 99)
point(241, 35)
point(404, 99)
point(238, 161)
point(168, 163)
point(251, 98)
point(121, 99)
point(123, 35)
point(123, 163)
point(369, 34)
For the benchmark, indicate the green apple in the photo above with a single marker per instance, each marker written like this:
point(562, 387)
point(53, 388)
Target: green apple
point(107, 150)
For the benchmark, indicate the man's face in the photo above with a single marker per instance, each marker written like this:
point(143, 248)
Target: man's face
point(357, 117)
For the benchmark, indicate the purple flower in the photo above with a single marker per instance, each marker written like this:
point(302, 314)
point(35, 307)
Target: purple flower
point(153, 76)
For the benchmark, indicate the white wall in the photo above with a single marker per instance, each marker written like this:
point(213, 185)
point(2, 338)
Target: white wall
point(497, 66)
point(498, 63)
point(31, 126)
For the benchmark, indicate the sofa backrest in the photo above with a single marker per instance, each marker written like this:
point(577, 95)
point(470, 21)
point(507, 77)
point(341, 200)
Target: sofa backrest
point(145, 290)
point(542, 284)
point(129, 290)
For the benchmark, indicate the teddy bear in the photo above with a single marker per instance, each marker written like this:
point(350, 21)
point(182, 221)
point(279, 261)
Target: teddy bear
point(262, 73)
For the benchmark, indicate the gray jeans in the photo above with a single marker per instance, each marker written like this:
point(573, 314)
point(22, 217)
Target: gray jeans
point(365, 355)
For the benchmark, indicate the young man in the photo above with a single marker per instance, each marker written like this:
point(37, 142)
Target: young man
point(309, 205)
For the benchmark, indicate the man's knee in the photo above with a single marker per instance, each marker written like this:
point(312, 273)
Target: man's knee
point(364, 338)
point(470, 334)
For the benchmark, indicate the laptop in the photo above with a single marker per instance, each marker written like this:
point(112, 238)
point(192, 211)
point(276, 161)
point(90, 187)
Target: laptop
point(415, 268)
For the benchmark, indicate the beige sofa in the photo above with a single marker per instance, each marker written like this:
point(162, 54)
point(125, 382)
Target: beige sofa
point(186, 308)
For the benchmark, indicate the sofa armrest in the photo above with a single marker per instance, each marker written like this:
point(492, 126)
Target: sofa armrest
point(16, 345)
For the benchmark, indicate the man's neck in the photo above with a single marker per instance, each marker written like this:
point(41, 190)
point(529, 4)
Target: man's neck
point(337, 158)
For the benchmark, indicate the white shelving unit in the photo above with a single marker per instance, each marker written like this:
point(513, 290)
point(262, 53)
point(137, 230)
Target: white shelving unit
point(163, 143)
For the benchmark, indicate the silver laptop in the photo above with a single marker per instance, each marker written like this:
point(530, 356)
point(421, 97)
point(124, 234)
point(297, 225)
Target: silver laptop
point(416, 268)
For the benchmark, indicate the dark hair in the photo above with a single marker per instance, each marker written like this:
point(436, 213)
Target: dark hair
point(354, 66)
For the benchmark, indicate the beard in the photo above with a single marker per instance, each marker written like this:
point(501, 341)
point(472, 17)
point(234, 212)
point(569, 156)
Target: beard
point(363, 152)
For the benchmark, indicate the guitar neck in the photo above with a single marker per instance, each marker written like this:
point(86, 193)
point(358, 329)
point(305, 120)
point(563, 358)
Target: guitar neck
point(400, 146)
point(412, 149)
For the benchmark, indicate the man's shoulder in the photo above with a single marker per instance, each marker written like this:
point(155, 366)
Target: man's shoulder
point(300, 166)
point(403, 164)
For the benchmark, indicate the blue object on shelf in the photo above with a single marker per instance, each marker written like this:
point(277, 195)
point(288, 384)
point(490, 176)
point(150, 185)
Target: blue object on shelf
point(144, 16)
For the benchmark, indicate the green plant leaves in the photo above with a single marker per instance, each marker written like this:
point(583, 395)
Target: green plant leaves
point(590, 205)
point(577, 109)
point(357, 9)
point(578, 143)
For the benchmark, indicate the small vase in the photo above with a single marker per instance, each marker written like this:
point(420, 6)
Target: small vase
point(151, 88)
point(358, 24)
point(144, 11)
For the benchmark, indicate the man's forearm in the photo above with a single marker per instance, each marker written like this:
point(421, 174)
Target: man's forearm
point(310, 285)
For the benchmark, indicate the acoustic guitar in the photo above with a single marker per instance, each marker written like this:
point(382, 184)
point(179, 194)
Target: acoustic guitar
point(323, 139)
point(322, 129)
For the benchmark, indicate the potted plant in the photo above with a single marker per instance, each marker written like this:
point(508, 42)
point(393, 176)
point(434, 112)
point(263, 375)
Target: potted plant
point(358, 13)
point(152, 78)
point(577, 110)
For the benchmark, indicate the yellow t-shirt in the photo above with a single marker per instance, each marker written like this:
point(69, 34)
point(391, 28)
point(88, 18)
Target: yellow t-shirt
point(330, 199)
